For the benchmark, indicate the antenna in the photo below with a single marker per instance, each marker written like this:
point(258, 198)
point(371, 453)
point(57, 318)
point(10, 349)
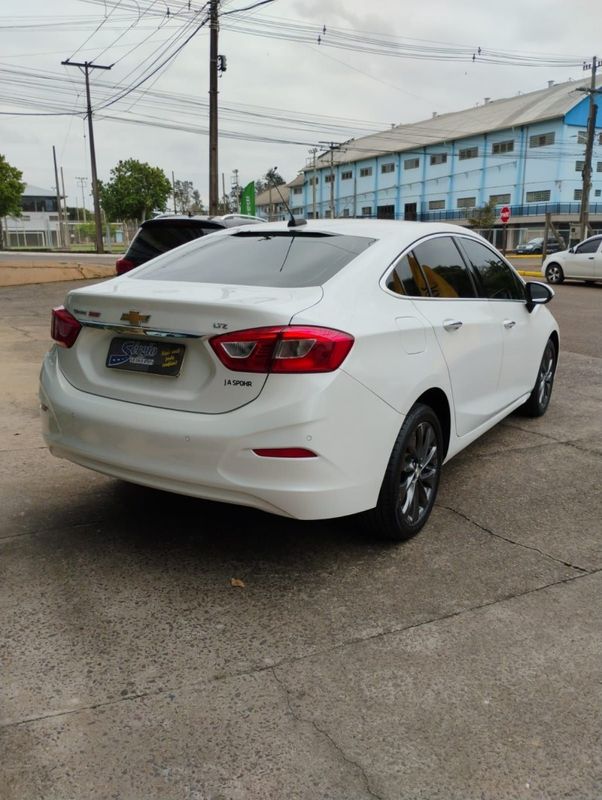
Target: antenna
point(292, 223)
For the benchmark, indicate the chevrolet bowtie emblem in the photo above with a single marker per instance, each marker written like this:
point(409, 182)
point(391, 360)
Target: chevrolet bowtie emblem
point(135, 318)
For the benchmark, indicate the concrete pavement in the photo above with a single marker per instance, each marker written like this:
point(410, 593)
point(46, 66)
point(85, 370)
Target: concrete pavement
point(463, 665)
point(20, 268)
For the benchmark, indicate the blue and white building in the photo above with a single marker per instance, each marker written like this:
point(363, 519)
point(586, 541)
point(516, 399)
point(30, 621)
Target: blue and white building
point(525, 152)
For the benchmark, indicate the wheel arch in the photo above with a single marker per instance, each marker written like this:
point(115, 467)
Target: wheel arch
point(436, 399)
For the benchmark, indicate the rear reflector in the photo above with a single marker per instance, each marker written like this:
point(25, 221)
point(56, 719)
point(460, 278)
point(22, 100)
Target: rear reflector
point(124, 265)
point(284, 452)
point(64, 328)
point(294, 349)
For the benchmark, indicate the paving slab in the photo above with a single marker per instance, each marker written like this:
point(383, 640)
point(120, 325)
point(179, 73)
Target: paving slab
point(150, 577)
point(500, 703)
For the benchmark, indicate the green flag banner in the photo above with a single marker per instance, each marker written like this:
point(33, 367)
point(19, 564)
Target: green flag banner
point(247, 199)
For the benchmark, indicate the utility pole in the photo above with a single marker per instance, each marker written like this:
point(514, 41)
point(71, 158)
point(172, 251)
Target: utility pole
point(213, 65)
point(332, 146)
point(236, 190)
point(85, 67)
point(314, 182)
point(589, 148)
point(66, 237)
point(59, 208)
point(81, 182)
point(173, 187)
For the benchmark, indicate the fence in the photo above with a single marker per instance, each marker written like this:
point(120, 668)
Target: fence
point(22, 235)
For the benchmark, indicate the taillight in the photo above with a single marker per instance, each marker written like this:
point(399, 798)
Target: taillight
point(291, 349)
point(65, 328)
point(124, 265)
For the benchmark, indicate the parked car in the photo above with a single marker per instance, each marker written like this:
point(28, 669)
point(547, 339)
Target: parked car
point(536, 246)
point(313, 371)
point(160, 234)
point(583, 261)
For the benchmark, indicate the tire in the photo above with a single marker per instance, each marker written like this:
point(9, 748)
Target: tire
point(539, 399)
point(554, 273)
point(409, 488)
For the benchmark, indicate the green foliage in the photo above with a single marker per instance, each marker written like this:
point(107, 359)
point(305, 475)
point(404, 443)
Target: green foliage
point(188, 199)
point(484, 217)
point(271, 178)
point(11, 190)
point(135, 190)
point(75, 214)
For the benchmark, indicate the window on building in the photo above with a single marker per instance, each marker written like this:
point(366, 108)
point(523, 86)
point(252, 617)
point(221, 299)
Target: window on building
point(345, 212)
point(540, 196)
point(581, 137)
point(388, 167)
point(313, 181)
point(329, 178)
point(468, 152)
point(365, 172)
point(577, 194)
point(327, 214)
point(411, 163)
point(436, 205)
point(466, 202)
point(444, 269)
point(367, 211)
point(438, 158)
point(499, 199)
point(579, 166)
point(407, 278)
point(503, 147)
point(542, 139)
point(495, 278)
point(597, 192)
point(297, 212)
point(346, 176)
point(297, 189)
point(599, 166)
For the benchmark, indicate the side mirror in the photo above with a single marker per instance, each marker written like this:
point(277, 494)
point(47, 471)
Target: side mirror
point(571, 249)
point(538, 294)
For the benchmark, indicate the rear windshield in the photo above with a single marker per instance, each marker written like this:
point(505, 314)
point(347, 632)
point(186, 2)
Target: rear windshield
point(159, 237)
point(283, 259)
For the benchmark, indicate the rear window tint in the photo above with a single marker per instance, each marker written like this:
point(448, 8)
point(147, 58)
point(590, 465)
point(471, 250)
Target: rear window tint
point(281, 259)
point(153, 240)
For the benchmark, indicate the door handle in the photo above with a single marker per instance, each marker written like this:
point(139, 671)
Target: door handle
point(452, 324)
point(509, 323)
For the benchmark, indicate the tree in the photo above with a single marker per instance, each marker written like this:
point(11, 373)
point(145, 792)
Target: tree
point(188, 199)
point(11, 190)
point(135, 190)
point(484, 217)
point(271, 178)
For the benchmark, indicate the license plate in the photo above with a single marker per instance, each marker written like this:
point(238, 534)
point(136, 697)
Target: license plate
point(139, 356)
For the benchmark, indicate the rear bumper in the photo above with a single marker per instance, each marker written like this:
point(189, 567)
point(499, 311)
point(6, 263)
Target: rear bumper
point(210, 455)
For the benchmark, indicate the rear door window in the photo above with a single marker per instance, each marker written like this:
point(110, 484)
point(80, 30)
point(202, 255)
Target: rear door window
point(444, 269)
point(495, 279)
point(589, 247)
point(274, 258)
point(407, 278)
point(159, 237)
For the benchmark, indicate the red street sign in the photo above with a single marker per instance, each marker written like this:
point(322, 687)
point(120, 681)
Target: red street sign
point(505, 214)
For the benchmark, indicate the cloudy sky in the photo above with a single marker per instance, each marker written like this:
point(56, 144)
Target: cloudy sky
point(282, 93)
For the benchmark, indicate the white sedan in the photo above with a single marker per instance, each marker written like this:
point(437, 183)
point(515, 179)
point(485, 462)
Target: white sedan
point(311, 370)
point(583, 262)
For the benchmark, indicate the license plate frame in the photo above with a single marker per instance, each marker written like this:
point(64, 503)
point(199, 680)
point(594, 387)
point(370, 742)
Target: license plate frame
point(154, 358)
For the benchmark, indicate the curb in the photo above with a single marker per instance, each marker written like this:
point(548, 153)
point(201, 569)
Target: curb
point(529, 273)
point(22, 275)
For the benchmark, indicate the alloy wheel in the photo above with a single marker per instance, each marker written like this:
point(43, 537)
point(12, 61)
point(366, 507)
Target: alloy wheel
point(420, 463)
point(554, 273)
point(546, 376)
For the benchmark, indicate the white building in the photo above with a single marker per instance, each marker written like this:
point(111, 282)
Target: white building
point(38, 226)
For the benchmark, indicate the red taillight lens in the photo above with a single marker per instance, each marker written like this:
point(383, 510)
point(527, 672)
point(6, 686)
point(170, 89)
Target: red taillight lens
point(284, 452)
point(292, 349)
point(124, 265)
point(65, 328)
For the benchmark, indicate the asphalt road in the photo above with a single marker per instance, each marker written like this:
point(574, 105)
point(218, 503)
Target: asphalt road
point(463, 665)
